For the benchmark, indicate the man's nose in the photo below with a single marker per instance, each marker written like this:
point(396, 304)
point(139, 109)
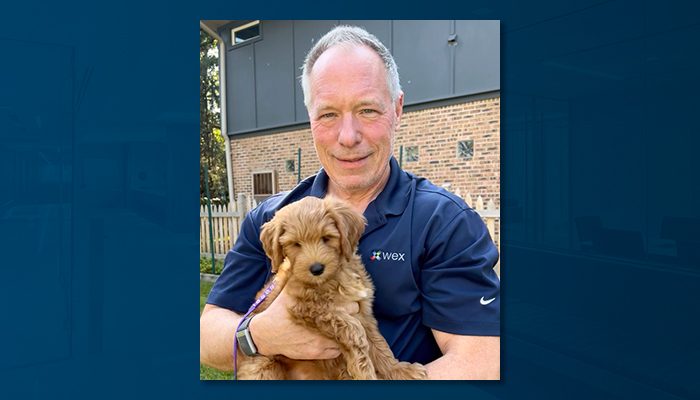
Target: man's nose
point(349, 134)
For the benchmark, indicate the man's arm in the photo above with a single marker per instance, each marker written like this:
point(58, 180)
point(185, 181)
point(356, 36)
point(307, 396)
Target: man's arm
point(466, 357)
point(217, 327)
point(272, 330)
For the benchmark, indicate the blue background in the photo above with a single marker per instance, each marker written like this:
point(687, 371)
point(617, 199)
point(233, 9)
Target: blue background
point(99, 197)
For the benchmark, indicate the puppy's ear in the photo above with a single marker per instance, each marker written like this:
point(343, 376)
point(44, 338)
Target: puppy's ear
point(350, 224)
point(270, 238)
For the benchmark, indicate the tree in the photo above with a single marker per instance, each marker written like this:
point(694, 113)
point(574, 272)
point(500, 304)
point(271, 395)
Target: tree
point(212, 147)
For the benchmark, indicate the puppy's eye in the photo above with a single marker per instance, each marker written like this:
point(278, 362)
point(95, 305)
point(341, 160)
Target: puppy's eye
point(327, 239)
point(296, 245)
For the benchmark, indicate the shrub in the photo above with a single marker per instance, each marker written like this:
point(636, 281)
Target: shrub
point(205, 265)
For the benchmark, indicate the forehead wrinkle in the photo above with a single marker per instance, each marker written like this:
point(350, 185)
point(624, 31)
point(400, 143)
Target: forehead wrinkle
point(332, 100)
point(369, 102)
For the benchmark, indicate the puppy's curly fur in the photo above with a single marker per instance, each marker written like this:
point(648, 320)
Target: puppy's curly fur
point(312, 244)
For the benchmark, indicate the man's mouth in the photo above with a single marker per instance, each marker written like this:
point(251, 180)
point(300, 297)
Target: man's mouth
point(351, 159)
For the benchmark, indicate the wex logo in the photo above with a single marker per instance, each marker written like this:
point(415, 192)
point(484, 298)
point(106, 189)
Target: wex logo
point(379, 255)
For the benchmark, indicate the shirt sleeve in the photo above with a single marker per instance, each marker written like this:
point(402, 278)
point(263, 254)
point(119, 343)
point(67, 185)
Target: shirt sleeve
point(459, 286)
point(246, 268)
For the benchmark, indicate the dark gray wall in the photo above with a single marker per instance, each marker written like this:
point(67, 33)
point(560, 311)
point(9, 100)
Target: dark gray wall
point(263, 89)
point(306, 33)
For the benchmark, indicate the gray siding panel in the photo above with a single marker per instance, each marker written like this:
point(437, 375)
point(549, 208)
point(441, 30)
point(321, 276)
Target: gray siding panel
point(306, 33)
point(240, 73)
point(379, 28)
point(264, 90)
point(478, 56)
point(274, 78)
point(423, 57)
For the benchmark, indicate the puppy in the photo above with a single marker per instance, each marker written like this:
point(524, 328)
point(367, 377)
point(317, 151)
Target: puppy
point(312, 244)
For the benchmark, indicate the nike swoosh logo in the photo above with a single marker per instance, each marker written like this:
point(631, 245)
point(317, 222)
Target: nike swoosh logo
point(485, 302)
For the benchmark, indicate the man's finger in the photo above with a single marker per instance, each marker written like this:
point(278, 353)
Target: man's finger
point(353, 308)
point(350, 308)
point(332, 353)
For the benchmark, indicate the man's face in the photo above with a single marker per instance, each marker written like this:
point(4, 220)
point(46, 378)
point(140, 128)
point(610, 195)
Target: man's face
point(353, 118)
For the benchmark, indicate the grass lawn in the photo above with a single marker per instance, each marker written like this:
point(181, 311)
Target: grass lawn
point(207, 373)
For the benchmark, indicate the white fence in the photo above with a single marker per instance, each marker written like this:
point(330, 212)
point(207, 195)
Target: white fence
point(491, 217)
point(226, 222)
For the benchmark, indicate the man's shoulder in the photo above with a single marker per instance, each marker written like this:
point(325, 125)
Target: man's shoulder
point(439, 213)
point(437, 198)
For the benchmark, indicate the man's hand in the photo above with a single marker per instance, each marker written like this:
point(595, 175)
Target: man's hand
point(274, 333)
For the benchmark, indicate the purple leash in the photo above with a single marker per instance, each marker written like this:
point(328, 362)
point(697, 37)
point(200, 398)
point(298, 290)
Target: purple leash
point(250, 310)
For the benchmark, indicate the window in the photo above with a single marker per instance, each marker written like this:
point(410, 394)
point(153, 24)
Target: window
point(411, 153)
point(465, 149)
point(264, 185)
point(245, 32)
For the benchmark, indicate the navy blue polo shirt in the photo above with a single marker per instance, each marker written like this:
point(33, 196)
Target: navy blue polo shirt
point(430, 257)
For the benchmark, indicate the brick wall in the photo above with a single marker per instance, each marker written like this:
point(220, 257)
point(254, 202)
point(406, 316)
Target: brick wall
point(435, 131)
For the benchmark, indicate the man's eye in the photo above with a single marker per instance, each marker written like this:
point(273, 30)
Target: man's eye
point(327, 116)
point(369, 113)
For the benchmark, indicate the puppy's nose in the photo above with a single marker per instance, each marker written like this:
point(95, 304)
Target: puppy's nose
point(317, 268)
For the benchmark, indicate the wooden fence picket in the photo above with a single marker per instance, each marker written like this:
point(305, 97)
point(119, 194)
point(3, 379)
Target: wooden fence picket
point(225, 223)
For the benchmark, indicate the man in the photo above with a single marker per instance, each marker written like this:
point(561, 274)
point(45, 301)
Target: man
point(429, 255)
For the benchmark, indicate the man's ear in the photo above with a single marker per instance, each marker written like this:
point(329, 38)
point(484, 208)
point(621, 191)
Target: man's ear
point(270, 238)
point(350, 224)
point(398, 104)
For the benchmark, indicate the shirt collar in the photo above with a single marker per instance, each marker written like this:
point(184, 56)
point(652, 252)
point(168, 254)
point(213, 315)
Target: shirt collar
point(394, 198)
point(320, 184)
point(391, 201)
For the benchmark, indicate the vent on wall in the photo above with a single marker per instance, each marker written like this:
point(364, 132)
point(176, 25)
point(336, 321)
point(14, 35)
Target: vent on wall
point(411, 153)
point(264, 185)
point(465, 149)
point(289, 166)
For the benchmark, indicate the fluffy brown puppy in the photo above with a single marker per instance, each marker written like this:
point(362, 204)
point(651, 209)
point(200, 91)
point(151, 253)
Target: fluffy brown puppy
point(312, 244)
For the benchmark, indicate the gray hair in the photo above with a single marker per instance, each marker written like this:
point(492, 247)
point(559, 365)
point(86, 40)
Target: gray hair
point(352, 35)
